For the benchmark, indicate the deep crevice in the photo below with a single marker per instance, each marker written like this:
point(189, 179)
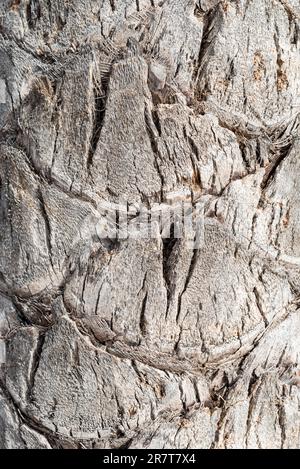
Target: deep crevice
point(208, 27)
point(33, 13)
point(100, 99)
point(149, 122)
point(112, 5)
point(274, 165)
point(48, 231)
point(168, 246)
point(253, 380)
point(188, 278)
point(35, 365)
point(243, 147)
point(156, 122)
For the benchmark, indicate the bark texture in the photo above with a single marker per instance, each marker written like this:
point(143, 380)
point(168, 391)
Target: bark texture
point(147, 343)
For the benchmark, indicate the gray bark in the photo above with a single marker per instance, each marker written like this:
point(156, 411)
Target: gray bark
point(147, 343)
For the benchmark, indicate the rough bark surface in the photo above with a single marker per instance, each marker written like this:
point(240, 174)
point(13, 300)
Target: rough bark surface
point(147, 343)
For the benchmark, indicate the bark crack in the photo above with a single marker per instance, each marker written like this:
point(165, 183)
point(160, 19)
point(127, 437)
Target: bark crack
point(35, 365)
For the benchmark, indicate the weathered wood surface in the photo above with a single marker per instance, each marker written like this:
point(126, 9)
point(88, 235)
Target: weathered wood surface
point(147, 343)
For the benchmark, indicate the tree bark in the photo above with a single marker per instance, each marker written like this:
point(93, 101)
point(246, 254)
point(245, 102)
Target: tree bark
point(148, 343)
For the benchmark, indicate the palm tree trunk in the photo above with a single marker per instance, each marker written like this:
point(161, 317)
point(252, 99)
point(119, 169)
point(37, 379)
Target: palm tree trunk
point(117, 338)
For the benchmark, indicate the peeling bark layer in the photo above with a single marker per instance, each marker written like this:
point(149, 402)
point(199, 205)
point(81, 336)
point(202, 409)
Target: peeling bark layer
point(147, 343)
